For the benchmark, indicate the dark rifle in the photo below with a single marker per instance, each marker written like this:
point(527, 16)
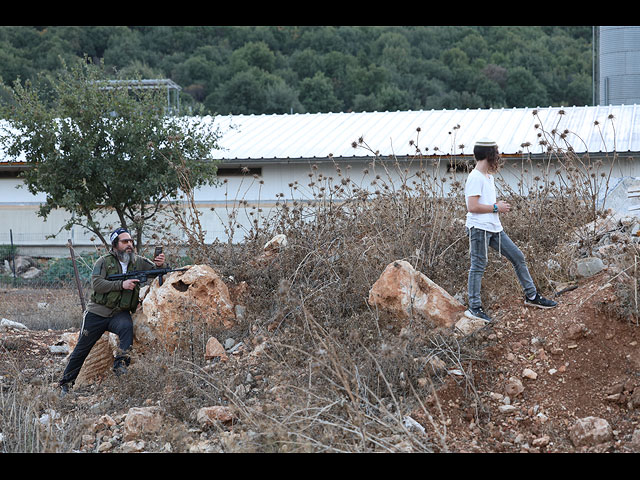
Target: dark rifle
point(143, 274)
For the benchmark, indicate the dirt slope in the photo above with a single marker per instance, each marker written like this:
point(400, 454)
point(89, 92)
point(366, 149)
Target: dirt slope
point(586, 363)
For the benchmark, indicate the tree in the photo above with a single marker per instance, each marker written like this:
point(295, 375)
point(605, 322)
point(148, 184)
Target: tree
point(523, 89)
point(102, 147)
point(317, 95)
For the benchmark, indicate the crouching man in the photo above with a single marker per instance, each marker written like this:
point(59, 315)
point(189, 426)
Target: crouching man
point(111, 305)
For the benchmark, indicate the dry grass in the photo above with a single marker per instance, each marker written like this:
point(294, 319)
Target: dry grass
point(346, 378)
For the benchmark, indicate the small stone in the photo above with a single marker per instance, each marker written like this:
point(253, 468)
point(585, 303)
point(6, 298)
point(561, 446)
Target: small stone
point(576, 331)
point(590, 431)
point(615, 389)
point(142, 420)
point(541, 417)
point(635, 440)
point(6, 324)
point(207, 416)
point(496, 396)
point(466, 326)
point(105, 447)
point(514, 387)
point(528, 373)
point(59, 349)
point(132, 446)
point(507, 408)
point(541, 442)
point(214, 349)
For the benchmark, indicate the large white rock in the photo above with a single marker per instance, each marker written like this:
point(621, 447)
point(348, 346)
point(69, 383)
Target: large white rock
point(406, 292)
point(197, 295)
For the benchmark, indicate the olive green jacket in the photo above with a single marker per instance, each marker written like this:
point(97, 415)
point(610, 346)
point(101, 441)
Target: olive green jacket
point(107, 297)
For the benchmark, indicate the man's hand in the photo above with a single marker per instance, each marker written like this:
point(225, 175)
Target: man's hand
point(503, 206)
point(159, 260)
point(130, 284)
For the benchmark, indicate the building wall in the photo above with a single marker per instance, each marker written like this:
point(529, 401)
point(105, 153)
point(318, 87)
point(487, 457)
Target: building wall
point(619, 65)
point(224, 205)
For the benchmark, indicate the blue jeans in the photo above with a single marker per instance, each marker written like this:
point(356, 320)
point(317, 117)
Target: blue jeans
point(478, 241)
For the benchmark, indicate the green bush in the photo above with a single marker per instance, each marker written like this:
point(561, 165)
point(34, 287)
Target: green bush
point(6, 251)
point(60, 270)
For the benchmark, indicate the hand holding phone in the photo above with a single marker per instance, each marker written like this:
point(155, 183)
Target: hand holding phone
point(158, 253)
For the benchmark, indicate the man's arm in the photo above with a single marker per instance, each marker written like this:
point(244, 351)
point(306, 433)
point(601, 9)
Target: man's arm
point(144, 263)
point(99, 281)
point(474, 205)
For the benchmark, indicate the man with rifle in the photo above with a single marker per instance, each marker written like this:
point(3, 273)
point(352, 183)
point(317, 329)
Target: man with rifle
point(112, 303)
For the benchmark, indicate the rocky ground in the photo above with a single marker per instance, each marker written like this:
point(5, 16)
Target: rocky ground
point(560, 380)
point(545, 371)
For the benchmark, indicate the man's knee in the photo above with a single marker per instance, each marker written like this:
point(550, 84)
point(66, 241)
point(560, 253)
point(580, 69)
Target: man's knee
point(121, 324)
point(478, 264)
point(516, 257)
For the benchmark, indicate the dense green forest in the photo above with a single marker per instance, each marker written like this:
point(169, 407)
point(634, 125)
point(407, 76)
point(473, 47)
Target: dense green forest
point(269, 69)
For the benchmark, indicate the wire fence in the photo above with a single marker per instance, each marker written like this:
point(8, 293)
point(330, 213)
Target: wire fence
point(43, 292)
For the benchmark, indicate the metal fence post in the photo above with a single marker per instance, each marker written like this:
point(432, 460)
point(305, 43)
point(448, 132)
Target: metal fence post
point(13, 257)
point(75, 271)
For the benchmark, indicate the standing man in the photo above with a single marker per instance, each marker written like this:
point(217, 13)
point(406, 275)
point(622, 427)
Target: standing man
point(111, 305)
point(484, 229)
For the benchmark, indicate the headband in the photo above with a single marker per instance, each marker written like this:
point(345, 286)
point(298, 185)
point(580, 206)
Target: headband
point(117, 232)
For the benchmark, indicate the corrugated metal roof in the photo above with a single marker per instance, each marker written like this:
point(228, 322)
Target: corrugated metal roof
point(442, 132)
point(316, 136)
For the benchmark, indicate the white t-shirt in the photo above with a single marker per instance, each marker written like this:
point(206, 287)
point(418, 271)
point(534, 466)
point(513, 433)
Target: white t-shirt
point(483, 185)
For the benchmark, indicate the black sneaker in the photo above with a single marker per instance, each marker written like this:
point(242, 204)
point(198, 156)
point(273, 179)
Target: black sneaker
point(540, 302)
point(64, 390)
point(477, 314)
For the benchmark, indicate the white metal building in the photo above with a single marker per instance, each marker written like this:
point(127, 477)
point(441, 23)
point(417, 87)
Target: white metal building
point(280, 150)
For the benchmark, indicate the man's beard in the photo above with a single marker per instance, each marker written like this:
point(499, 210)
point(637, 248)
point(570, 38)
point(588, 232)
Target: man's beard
point(125, 256)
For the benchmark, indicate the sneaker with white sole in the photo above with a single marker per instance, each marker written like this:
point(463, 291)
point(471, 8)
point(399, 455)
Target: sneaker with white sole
point(477, 314)
point(540, 302)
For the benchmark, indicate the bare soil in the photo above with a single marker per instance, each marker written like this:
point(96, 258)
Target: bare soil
point(580, 354)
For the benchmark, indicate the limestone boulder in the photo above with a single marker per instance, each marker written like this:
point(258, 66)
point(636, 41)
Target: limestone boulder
point(99, 362)
point(195, 295)
point(405, 293)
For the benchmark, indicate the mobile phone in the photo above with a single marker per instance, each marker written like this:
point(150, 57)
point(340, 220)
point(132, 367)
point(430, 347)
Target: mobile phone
point(157, 252)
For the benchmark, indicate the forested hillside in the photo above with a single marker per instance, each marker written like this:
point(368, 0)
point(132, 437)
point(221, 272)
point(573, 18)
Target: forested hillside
point(269, 69)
